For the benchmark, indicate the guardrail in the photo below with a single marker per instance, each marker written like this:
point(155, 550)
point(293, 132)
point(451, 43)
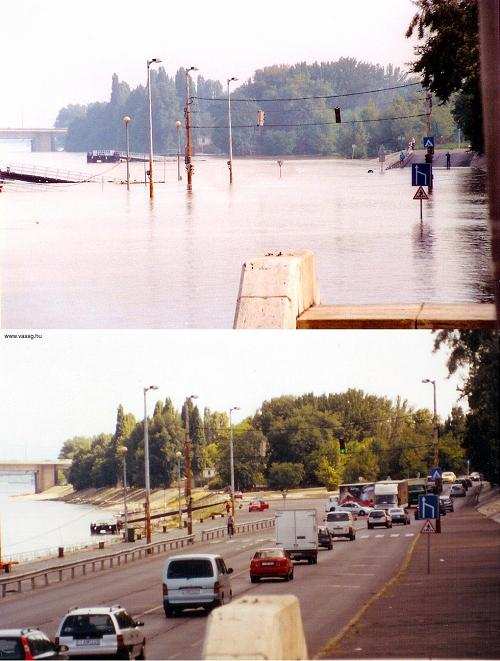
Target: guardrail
point(78, 568)
point(70, 569)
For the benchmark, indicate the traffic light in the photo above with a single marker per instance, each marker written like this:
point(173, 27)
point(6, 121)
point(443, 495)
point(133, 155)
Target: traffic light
point(338, 119)
point(261, 116)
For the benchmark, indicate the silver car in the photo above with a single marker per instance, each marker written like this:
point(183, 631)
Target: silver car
point(194, 581)
point(105, 631)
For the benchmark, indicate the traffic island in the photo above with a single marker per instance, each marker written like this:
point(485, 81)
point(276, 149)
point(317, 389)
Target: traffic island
point(454, 612)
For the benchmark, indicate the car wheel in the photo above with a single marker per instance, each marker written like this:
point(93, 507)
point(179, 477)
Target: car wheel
point(291, 575)
point(370, 527)
point(125, 654)
point(287, 577)
point(169, 611)
point(254, 579)
point(142, 653)
point(330, 547)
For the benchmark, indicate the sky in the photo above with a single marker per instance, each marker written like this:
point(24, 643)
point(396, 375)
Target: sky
point(58, 52)
point(71, 383)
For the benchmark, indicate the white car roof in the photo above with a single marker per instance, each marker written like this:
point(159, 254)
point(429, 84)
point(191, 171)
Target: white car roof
point(194, 556)
point(95, 610)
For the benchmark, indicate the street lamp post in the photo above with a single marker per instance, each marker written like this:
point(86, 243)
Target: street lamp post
point(155, 60)
point(122, 451)
point(126, 121)
point(231, 454)
point(178, 454)
point(147, 506)
point(230, 162)
point(178, 125)
point(187, 468)
point(436, 443)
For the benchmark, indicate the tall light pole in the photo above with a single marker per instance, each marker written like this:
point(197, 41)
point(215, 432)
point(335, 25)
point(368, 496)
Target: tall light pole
point(189, 146)
point(178, 125)
point(436, 431)
point(126, 121)
point(230, 162)
point(155, 60)
point(187, 467)
point(147, 506)
point(231, 453)
point(178, 454)
point(122, 452)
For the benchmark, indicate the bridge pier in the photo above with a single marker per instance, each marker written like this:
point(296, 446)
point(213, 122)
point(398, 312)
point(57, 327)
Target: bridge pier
point(42, 142)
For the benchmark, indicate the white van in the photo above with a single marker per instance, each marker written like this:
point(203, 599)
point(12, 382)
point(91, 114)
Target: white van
point(195, 581)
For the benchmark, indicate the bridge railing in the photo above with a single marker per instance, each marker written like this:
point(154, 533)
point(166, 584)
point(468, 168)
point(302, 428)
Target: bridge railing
point(15, 583)
point(52, 173)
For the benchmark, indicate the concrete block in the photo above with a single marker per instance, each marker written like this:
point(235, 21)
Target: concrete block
point(276, 289)
point(256, 627)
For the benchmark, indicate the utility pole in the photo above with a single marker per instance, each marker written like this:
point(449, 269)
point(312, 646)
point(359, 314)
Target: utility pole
point(155, 60)
point(430, 150)
point(189, 145)
point(147, 505)
point(436, 439)
point(230, 162)
point(231, 456)
point(178, 454)
point(123, 453)
point(178, 125)
point(126, 121)
point(187, 468)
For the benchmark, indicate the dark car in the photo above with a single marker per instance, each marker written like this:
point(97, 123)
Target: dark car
point(447, 503)
point(29, 644)
point(325, 538)
point(399, 515)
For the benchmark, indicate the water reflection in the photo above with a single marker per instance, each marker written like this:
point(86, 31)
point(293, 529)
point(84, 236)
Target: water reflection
point(108, 259)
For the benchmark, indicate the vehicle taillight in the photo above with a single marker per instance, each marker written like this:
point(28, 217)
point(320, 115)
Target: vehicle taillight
point(26, 648)
point(217, 586)
point(165, 589)
point(119, 640)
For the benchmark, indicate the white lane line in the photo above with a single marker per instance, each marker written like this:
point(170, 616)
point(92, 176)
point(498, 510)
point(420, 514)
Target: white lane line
point(151, 610)
point(379, 535)
point(409, 534)
point(394, 534)
point(364, 536)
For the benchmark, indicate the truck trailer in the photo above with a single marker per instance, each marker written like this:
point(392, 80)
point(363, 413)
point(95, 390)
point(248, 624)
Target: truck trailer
point(297, 533)
point(361, 493)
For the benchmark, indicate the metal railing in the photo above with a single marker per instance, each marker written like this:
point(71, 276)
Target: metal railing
point(71, 570)
point(50, 173)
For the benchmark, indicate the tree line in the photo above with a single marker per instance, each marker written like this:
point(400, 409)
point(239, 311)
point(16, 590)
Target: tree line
point(301, 127)
point(304, 440)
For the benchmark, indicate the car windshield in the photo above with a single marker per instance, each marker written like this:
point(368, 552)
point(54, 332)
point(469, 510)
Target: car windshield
point(396, 512)
point(377, 514)
point(88, 626)
point(10, 648)
point(190, 568)
point(338, 516)
point(270, 553)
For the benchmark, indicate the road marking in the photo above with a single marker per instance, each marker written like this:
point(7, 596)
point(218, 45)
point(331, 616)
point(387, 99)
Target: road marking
point(151, 610)
point(409, 534)
point(379, 535)
point(364, 536)
point(394, 534)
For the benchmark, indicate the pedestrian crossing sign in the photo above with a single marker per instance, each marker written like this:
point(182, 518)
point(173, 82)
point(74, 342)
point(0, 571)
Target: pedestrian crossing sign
point(428, 528)
point(420, 194)
point(428, 141)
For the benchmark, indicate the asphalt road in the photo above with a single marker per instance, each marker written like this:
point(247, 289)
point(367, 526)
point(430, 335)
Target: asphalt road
point(330, 592)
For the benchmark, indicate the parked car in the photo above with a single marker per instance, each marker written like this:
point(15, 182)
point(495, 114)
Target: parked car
point(238, 494)
point(399, 515)
point(447, 503)
point(379, 518)
point(341, 524)
point(325, 538)
point(448, 476)
point(195, 581)
point(258, 506)
point(475, 476)
point(356, 509)
point(465, 481)
point(271, 563)
point(457, 490)
point(105, 631)
point(29, 644)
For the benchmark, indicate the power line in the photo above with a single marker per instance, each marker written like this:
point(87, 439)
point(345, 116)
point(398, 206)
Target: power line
point(276, 126)
point(307, 98)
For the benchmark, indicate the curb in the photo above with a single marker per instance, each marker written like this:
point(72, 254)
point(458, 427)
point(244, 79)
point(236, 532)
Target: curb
point(333, 642)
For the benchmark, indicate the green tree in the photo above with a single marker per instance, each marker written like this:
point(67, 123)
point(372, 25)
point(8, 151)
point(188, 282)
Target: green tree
point(249, 450)
point(286, 475)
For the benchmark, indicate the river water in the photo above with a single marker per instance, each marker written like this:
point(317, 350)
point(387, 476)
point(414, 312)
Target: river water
point(38, 527)
point(95, 256)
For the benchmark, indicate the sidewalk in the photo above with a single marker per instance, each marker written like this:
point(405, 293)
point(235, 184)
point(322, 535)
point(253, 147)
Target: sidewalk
point(452, 613)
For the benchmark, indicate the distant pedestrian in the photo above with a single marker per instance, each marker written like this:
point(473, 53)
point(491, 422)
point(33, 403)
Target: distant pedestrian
point(230, 525)
point(228, 507)
point(448, 160)
point(401, 156)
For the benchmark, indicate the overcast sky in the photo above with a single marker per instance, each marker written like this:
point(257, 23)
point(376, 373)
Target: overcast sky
point(70, 383)
point(57, 52)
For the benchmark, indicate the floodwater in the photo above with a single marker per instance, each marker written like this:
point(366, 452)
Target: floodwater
point(94, 256)
point(30, 528)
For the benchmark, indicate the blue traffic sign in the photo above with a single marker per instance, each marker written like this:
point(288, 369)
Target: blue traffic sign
point(420, 174)
point(428, 141)
point(428, 506)
point(435, 473)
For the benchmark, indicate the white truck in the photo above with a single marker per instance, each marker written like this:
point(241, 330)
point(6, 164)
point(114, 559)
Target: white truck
point(297, 533)
point(391, 493)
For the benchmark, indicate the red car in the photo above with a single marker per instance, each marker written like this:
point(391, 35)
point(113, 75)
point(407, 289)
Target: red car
point(271, 563)
point(258, 506)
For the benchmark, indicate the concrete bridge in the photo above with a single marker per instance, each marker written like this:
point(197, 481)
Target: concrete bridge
point(41, 139)
point(45, 472)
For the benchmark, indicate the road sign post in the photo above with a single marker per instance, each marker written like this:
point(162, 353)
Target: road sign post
point(428, 530)
point(420, 195)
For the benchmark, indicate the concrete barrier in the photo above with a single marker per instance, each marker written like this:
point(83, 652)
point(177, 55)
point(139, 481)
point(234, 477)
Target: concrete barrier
point(275, 289)
point(256, 627)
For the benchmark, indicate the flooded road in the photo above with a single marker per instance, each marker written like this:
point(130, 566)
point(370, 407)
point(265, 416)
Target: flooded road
point(94, 256)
